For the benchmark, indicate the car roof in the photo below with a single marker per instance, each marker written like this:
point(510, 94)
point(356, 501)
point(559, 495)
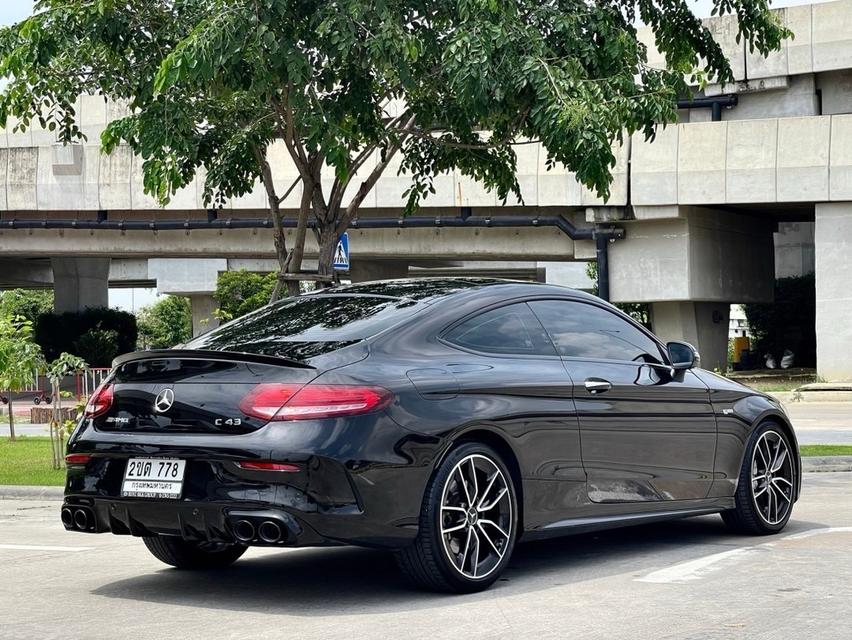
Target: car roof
point(433, 289)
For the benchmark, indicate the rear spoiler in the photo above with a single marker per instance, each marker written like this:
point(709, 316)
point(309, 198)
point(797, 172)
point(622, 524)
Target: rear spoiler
point(208, 355)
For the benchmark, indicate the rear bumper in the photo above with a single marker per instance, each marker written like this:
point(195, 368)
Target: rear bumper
point(365, 490)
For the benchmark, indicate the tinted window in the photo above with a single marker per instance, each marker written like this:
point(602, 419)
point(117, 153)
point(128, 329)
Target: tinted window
point(585, 331)
point(511, 329)
point(307, 326)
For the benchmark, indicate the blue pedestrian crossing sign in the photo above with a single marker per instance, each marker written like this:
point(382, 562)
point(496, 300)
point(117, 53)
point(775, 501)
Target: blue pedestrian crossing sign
point(341, 254)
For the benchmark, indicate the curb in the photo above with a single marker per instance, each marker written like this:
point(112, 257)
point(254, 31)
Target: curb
point(25, 492)
point(820, 464)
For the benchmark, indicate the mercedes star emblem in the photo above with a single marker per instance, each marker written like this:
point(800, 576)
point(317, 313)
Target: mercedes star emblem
point(164, 400)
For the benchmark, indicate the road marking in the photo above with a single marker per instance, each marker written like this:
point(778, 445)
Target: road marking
point(33, 547)
point(815, 532)
point(693, 569)
point(698, 568)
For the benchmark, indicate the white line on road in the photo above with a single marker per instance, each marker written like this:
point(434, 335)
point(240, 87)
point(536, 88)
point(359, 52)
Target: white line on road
point(693, 569)
point(33, 547)
point(698, 568)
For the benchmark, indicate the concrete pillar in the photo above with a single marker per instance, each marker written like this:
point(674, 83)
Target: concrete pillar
point(80, 283)
point(703, 324)
point(833, 246)
point(368, 270)
point(203, 305)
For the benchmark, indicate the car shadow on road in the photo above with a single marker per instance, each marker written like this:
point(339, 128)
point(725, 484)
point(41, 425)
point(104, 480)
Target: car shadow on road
point(351, 581)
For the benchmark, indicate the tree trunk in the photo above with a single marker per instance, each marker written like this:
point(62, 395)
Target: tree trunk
point(11, 419)
point(328, 239)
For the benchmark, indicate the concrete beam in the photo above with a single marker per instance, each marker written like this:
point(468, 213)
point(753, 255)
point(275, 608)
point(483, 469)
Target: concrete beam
point(433, 244)
point(706, 255)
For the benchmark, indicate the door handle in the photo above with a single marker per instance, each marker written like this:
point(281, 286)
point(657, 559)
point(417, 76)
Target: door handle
point(596, 385)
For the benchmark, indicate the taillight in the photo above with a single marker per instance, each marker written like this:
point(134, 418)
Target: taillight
point(100, 401)
point(262, 465)
point(309, 402)
point(77, 458)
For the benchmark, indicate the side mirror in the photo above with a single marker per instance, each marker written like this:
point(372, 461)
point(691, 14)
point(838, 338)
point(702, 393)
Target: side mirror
point(683, 356)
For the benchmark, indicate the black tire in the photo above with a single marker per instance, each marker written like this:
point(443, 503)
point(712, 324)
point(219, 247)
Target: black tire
point(36, 400)
point(746, 517)
point(48, 399)
point(426, 563)
point(184, 554)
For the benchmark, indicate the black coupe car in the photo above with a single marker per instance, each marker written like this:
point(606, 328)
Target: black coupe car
point(443, 419)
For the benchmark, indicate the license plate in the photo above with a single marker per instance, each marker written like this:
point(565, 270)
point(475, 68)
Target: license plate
point(153, 478)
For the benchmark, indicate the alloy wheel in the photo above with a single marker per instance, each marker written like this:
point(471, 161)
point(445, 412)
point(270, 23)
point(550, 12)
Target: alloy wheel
point(476, 516)
point(772, 477)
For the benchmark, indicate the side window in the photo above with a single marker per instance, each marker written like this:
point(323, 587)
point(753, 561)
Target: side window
point(582, 330)
point(512, 329)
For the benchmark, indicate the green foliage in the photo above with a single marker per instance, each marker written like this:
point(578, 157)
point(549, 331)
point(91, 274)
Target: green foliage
point(26, 303)
point(96, 335)
point(65, 365)
point(98, 346)
point(639, 311)
point(787, 323)
point(20, 357)
point(349, 84)
point(241, 292)
point(165, 323)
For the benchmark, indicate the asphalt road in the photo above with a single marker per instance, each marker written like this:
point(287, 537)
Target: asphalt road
point(689, 579)
point(815, 423)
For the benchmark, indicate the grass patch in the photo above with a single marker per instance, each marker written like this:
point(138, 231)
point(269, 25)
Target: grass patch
point(27, 460)
point(809, 450)
point(768, 386)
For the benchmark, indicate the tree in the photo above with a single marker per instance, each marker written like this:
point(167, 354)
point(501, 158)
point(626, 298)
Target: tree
point(65, 365)
point(20, 359)
point(351, 84)
point(166, 323)
point(241, 292)
point(26, 303)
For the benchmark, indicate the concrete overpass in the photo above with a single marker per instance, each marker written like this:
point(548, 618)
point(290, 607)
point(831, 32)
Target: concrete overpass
point(712, 210)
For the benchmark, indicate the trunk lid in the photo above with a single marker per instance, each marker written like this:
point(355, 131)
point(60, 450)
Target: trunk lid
point(187, 391)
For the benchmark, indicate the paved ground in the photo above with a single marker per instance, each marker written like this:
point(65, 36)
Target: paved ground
point(687, 579)
point(822, 422)
point(815, 423)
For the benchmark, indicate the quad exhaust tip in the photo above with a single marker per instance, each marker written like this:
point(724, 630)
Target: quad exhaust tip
point(243, 530)
point(67, 517)
point(269, 531)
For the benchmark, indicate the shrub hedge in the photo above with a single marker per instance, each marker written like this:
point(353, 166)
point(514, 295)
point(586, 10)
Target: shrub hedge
point(96, 335)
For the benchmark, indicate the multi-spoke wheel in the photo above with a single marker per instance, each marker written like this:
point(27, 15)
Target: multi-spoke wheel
point(767, 484)
point(468, 523)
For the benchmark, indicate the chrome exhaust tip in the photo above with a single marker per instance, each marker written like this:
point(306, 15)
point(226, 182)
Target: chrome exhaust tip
point(67, 517)
point(81, 519)
point(269, 531)
point(243, 530)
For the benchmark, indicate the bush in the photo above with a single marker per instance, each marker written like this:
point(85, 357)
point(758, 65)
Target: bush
point(26, 303)
point(98, 346)
point(241, 292)
point(106, 332)
point(787, 323)
point(165, 323)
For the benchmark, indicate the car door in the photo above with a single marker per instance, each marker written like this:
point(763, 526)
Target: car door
point(646, 434)
point(511, 378)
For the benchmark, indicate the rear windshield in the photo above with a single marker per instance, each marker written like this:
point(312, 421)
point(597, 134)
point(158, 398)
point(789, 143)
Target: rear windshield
point(307, 326)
